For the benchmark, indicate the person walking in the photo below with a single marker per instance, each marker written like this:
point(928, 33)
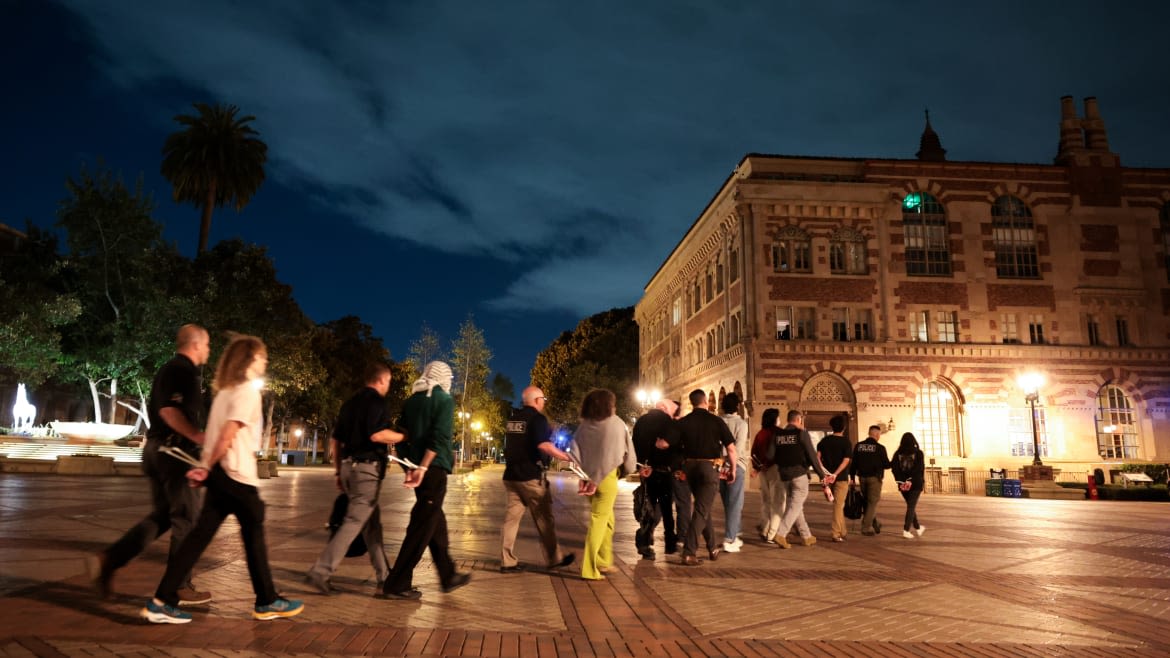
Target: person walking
point(360, 445)
point(228, 470)
point(601, 444)
point(701, 438)
point(528, 448)
point(174, 408)
point(731, 490)
point(428, 418)
point(793, 454)
point(658, 476)
point(771, 494)
point(909, 469)
point(869, 465)
point(835, 454)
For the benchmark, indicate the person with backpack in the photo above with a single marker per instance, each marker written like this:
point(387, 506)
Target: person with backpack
point(909, 467)
point(360, 444)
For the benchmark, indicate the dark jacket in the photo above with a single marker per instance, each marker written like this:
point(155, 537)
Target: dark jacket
point(910, 466)
point(870, 460)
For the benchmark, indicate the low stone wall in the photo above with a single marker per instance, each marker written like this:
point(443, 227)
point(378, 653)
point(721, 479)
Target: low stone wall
point(73, 465)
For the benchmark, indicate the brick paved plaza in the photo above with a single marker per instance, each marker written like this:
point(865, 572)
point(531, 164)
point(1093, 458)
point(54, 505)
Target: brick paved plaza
point(990, 577)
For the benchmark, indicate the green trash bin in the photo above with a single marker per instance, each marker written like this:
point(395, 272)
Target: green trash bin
point(995, 487)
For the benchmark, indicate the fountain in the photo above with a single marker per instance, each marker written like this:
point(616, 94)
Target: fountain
point(23, 411)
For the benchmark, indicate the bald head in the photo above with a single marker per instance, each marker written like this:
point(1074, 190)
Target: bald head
point(533, 397)
point(193, 342)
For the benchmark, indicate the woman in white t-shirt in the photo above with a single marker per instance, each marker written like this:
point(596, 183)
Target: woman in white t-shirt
point(234, 430)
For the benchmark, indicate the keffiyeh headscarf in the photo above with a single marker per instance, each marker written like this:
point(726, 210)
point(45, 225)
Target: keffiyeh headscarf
point(435, 373)
point(667, 406)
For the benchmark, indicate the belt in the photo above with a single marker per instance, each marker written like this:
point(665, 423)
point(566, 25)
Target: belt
point(365, 460)
point(715, 461)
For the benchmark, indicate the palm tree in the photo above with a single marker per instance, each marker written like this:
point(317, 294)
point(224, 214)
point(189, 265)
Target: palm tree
point(215, 159)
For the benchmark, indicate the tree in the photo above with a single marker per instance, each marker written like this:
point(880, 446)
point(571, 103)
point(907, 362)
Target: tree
point(344, 347)
point(216, 159)
point(471, 363)
point(602, 352)
point(426, 348)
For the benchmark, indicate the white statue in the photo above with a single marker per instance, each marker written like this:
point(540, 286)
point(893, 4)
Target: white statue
point(23, 410)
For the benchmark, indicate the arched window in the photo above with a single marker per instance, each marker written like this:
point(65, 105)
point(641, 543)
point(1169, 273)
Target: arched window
point(722, 337)
point(928, 251)
point(791, 251)
point(696, 297)
point(719, 277)
point(1117, 424)
point(847, 252)
point(1164, 223)
point(936, 421)
point(733, 266)
point(708, 288)
point(735, 329)
point(1014, 233)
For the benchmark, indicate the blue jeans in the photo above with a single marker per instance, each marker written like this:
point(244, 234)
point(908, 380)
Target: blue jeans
point(732, 495)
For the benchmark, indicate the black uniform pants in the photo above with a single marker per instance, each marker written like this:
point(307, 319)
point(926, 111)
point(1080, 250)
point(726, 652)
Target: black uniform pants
point(427, 529)
point(703, 479)
point(662, 489)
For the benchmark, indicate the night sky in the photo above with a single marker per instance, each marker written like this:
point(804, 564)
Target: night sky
point(534, 162)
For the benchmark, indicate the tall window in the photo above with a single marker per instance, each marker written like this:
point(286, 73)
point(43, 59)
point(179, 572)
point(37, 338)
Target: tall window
point(928, 251)
point(676, 312)
point(718, 277)
point(840, 324)
point(735, 329)
point(696, 297)
point(1117, 436)
point(1007, 326)
point(936, 421)
point(1036, 329)
point(847, 252)
point(1123, 331)
point(710, 344)
point(733, 266)
point(862, 323)
point(1014, 233)
point(722, 338)
point(1020, 431)
point(1093, 330)
point(796, 323)
point(791, 251)
point(708, 289)
point(920, 326)
point(1164, 223)
point(948, 326)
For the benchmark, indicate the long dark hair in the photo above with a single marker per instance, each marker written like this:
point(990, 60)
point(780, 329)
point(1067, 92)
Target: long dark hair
point(770, 418)
point(598, 404)
point(909, 444)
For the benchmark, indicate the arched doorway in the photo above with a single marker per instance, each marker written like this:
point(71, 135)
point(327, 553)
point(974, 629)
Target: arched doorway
point(825, 395)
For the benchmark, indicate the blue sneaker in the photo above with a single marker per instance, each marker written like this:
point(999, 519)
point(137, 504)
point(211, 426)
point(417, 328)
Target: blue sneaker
point(278, 608)
point(163, 614)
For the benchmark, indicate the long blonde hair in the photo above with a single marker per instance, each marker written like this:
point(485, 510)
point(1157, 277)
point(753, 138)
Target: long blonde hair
point(232, 369)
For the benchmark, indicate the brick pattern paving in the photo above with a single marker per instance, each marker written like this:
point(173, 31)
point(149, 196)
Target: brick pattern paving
point(990, 577)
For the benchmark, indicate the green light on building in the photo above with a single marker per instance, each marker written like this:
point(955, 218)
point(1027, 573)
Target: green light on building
point(912, 201)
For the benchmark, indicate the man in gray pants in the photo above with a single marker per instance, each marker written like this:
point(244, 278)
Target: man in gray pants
point(794, 453)
point(360, 445)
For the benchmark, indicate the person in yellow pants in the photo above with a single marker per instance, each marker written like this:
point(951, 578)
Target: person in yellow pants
point(601, 444)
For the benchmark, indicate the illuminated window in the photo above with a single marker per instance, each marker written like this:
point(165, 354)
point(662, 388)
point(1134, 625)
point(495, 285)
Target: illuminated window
point(791, 251)
point(919, 326)
point(1117, 429)
point(1020, 431)
point(928, 251)
point(676, 312)
point(948, 326)
point(936, 421)
point(1014, 234)
point(847, 252)
point(1007, 327)
point(796, 323)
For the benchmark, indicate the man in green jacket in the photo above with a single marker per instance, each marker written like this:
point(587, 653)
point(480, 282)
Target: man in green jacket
point(428, 418)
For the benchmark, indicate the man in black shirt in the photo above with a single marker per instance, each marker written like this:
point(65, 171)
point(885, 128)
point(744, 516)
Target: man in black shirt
point(175, 409)
point(658, 476)
point(869, 465)
point(835, 453)
point(527, 449)
point(360, 444)
point(701, 436)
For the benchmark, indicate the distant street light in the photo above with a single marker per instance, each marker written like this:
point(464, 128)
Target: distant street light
point(1030, 384)
point(649, 398)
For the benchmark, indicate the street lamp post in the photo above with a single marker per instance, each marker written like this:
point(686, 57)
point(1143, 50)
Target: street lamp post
point(649, 398)
point(1031, 383)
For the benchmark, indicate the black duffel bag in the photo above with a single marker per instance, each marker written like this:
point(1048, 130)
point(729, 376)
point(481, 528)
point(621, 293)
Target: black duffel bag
point(336, 518)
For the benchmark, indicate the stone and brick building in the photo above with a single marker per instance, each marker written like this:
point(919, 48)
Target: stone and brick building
point(915, 294)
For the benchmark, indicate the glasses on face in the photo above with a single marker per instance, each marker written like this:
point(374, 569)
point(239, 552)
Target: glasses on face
point(541, 399)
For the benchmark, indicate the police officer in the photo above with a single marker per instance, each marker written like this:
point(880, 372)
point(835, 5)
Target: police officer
point(527, 451)
point(794, 453)
point(870, 461)
point(701, 435)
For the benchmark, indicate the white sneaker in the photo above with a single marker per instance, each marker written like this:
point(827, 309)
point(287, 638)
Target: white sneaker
point(921, 529)
point(730, 547)
point(738, 542)
point(907, 534)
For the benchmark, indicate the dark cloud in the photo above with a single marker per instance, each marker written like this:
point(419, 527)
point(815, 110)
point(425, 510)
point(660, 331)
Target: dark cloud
point(584, 137)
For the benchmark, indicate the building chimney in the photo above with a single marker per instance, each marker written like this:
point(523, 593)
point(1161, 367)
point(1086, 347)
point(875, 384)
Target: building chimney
point(1072, 139)
point(1094, 125)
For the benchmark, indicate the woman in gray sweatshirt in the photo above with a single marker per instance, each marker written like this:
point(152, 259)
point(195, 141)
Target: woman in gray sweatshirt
point(601, 444)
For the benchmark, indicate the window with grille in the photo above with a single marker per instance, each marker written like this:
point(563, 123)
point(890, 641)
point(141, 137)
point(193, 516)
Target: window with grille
point(1117, 424)
point(1036, 329)
point(1020, 432)
point(1007, 326)
point(924, 221)
point(948, 326)
point(791, 251)
point(795, 323)
point(1014, 234)
point(847, 252)
point(936, 421)
point(1093, 330)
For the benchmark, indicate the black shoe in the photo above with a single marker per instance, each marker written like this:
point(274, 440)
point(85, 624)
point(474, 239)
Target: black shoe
point(714, 553)
point(409, 595)
point(457, 581)
point(646, 552)
point(103, 577)
point(515, 568)
point(565, 561)
point(877, 527)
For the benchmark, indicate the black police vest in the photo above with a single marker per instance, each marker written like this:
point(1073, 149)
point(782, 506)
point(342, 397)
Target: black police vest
point(789, 452)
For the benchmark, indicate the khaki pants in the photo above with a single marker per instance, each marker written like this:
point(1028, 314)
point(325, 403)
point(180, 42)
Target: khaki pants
point(534, 496)
point(840, 490)
point(872, 488)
